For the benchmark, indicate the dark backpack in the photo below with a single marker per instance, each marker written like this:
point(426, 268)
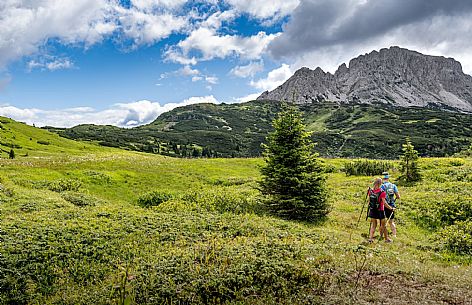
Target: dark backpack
point(374, 202)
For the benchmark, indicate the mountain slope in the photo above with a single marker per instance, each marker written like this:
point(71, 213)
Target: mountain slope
point(392, 76)
point(348, 130)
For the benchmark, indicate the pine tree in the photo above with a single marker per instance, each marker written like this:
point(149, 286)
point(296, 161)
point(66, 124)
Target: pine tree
point(11, 155)
point(293, 179)
point(409, 163)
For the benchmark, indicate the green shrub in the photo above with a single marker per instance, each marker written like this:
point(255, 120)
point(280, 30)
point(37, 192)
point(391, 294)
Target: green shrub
point(154, 198)
point(79, 199)
point(42, 142)
point(98, 177)
point(365, 167)
point(222, 200)
point(445, 211)
point(63, 185)
point(457, 238)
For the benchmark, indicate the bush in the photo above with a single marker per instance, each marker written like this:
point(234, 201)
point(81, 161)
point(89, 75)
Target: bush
point(43, 142)
point(444, 211)
point(222, 200)
point(63, 185)
point(79, 199)
point(154, 198)
point(457, 238)
point(365, 167)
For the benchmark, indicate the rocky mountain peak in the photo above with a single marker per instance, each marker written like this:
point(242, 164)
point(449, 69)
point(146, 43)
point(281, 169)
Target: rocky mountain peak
point(392, 75)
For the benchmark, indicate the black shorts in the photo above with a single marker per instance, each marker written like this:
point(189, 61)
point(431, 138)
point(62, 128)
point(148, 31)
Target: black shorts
point(376, 214)
point(389, 212)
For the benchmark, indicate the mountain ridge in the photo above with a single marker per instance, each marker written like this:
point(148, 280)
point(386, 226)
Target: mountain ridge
point(394, 76)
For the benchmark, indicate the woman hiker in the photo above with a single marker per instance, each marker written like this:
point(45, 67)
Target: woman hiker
point(377, 205)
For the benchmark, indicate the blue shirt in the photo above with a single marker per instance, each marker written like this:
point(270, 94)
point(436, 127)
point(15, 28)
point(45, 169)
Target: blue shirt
point(390, 198)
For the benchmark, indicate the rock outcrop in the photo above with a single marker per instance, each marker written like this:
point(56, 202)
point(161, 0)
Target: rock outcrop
point(394, 76)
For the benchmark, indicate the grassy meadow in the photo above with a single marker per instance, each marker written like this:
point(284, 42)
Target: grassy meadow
point(83, 224)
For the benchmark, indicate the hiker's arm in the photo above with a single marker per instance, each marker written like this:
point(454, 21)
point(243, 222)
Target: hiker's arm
point(397, 195)
point(387, 205)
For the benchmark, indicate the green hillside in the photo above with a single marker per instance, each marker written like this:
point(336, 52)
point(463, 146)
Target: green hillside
point(26, 140)
point(232, 130)
point(73, 232)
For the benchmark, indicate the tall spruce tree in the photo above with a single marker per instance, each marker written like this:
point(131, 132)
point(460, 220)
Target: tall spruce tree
point(293, 178)
point(409, 163)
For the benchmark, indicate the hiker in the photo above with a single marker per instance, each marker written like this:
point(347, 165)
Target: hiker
point(391, 191)
point(377, 204)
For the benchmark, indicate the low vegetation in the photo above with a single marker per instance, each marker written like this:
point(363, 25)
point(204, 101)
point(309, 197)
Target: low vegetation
point(107, 226)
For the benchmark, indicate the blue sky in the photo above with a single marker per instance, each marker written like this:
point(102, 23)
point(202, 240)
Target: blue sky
point(68, 62)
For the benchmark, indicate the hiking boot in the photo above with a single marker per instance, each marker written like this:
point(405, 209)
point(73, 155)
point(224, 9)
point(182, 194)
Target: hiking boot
point(388, 240)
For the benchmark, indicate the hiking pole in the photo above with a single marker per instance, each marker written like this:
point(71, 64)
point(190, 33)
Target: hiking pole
point(386, 223)
point(362, 211)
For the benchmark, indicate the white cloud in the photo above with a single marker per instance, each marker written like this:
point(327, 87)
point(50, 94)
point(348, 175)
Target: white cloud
point(195, 74)
point(248, 70)
point(153, 4)
point(265, 9)
point(274, 78)
point(211, 45)
point(122, 115)
point(148, 27)
point(247, 98)
point(51, 65)
point(187, 71)
point(216, 19)
point(211, 80)
point(25, 26)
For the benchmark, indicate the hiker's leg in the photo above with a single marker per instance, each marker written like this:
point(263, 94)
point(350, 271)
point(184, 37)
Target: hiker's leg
point(373, 225)
point(383, 229)
point(393, 227)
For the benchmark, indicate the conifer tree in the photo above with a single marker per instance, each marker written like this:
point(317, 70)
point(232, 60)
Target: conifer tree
point(11, 155)
point(409, 163)
point(293, 179)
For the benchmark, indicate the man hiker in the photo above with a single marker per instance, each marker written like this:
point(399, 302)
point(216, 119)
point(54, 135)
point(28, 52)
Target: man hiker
point(391, 191)
point(377, 204)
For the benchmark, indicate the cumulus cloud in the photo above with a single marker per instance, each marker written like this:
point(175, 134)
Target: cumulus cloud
point(274, 78)
point(148, 27)
point(27, 26)
point(195, 74)
point(248, 70)
point(212, 45)
point(50, 64)
point(264, 9)
point(122, 115)
point(205, 42)
point(247, 98)
point(347, 28)
point(153, 4)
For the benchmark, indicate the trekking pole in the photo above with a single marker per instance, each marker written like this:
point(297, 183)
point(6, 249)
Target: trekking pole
point(362, 210)
point(386, 223)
